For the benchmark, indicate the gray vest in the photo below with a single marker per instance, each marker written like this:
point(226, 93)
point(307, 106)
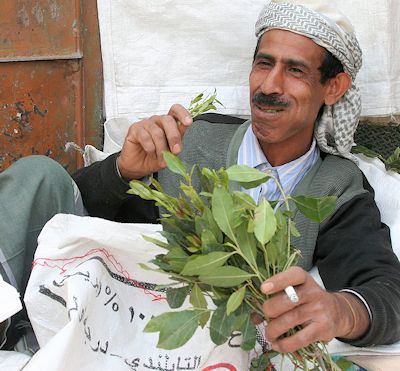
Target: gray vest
point(216, 145)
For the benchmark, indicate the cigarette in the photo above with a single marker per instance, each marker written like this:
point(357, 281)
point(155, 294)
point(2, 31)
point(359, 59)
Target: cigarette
point(292, 295)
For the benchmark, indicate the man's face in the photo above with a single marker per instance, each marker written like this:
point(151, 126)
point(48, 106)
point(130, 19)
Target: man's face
point(285, 90)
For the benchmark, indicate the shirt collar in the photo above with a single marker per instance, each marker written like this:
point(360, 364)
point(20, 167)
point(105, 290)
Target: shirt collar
point(259, 161)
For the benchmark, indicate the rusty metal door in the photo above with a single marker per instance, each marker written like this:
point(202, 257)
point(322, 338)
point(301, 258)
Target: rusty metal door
point(50, 79)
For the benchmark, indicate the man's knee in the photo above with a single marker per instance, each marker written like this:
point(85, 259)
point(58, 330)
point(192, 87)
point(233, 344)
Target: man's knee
point(43, 170)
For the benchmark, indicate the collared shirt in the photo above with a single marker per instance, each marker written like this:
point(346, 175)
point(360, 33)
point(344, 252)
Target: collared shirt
point(288, 175)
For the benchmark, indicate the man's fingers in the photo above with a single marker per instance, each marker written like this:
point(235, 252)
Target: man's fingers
point(302, 338)
point(181, 114)
point(280, 304)
point(292, 277)
point(282, 324)
point(172, 133)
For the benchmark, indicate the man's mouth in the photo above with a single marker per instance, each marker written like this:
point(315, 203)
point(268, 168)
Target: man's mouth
point(269, 110)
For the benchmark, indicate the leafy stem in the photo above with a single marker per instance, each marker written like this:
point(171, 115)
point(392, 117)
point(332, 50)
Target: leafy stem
point(289, 220)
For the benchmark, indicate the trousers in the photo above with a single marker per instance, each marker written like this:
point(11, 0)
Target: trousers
point(32, 191)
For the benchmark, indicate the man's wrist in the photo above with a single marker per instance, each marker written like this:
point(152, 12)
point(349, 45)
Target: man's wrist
point(353, 315)
point(145, 179)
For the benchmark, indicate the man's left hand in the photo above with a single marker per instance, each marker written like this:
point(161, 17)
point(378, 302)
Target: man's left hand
point(322, 315)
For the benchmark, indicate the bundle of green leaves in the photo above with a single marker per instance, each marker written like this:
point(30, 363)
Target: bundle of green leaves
point(220, 246)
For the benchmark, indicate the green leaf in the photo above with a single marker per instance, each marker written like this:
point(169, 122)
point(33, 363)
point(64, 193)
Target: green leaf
point(175, 328)
point(206, 222)
point(264, 222)
point(393, 161)
point(175, 164)
point(193, 196)
point(209, 243)
point(198, 300)
point(154, 182)
point(293, 230)
point(179, 226)
point(344, 364)
point(147, 268)
point(212, 224)
point(225, 277)
point(156, 242)
point(194, 240)
point(247, 244)
point(173, 233)
point(277, 248)
point(393, 166)
point(221, 325)
point(162, 199)
point(249, 333)
point(224, 212)
point(140, 189)
point(281, 220)
point(176, 296)
point(201, 104)
point(196, 99)
point(219, 295)
point(315, 208)
point(250, 226)
point(193, 249)
point(160, 262)
point(176, 258)
point(244, 200)
point(213, 247)
point(262, 363)
point(205, 263)
point(366, 151)
point(235, 300)
point(271, 255)
point(207, 237)
point(246, 176)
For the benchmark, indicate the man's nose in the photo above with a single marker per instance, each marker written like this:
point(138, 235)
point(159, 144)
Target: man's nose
point(273, 82)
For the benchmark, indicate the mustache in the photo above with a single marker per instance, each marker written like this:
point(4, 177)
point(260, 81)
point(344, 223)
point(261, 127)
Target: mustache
point(269, 100)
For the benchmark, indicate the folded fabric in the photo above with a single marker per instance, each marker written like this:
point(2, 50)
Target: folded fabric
point(156, 53)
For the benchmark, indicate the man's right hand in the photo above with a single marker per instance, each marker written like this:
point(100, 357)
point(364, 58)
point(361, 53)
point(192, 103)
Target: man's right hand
point(141, 154)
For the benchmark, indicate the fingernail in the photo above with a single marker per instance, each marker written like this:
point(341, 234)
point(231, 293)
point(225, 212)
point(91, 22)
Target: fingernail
point(267, 287)
point(176, 148)
point(188, 120)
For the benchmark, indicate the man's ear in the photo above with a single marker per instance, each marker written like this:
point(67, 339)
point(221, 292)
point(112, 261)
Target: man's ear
point(337, 87)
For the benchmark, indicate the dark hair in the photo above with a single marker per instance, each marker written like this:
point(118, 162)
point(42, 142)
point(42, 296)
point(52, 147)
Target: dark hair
point(329, 67)
point(257, 47)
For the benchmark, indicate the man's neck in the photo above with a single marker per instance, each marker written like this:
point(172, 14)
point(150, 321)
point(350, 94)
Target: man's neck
point(278, 154)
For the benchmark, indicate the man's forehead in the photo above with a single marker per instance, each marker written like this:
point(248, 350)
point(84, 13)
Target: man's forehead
point(290, 45)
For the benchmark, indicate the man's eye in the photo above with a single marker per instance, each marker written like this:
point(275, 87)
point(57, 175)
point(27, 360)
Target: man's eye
point(296, 70)
point(264, 63)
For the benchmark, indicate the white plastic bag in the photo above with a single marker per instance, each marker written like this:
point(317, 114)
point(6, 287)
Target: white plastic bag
point(89, 301)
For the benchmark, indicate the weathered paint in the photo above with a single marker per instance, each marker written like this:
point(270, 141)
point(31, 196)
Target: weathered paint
point(39, 29)
point(37, 114)
point(56, 97)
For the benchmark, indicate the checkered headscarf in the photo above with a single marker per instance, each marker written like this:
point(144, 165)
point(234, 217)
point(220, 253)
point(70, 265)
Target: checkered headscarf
point(335, 130)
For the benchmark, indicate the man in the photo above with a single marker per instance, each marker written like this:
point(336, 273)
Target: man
point(301, 82)
point(297, 87)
